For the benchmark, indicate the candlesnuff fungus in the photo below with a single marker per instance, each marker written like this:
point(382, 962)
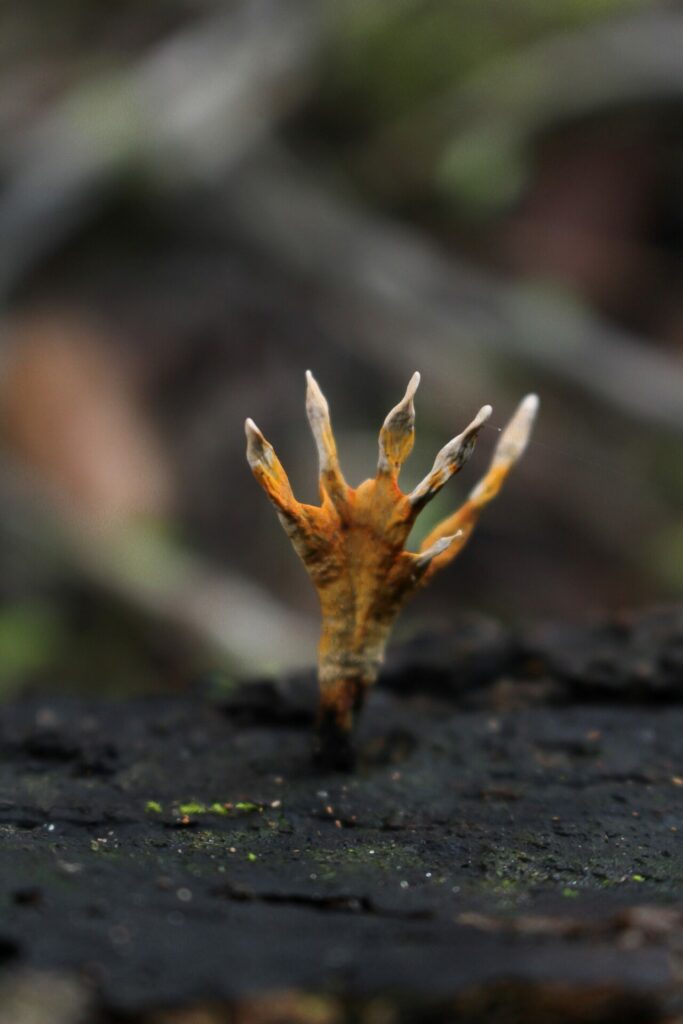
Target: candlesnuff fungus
point(353, 543)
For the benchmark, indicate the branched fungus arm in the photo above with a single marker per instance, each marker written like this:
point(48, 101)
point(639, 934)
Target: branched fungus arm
point(449, 461)
point(297, 519)
point(460, 525)
point(269, 471)
point(332, 480)
point(425, 557)
point(398, 433)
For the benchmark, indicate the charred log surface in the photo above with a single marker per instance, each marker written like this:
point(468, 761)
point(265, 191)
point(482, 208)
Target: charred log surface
point(508, 848)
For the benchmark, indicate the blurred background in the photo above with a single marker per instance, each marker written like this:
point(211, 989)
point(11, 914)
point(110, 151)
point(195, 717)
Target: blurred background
point(200, 199)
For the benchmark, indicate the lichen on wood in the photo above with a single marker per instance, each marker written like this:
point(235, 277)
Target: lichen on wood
point(353, 543)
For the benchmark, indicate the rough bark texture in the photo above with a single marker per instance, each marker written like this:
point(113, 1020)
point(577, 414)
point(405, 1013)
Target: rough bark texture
point(508, 850)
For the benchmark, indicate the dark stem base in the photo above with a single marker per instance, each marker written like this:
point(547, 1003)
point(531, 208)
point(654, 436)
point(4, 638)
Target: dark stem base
point(333, 747)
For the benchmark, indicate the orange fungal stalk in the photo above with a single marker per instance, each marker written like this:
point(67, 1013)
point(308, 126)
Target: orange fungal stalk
point(352, 544)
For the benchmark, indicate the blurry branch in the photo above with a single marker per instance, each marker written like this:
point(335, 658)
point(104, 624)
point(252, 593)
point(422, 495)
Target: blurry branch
point(200, 101)
point(446, 304)
point(229, 614)
point(221, 610)
point(634, 60)
point(189, 109)
point(96, 477)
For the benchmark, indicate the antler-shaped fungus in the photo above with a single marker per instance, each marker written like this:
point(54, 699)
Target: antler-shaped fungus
point(353, 544)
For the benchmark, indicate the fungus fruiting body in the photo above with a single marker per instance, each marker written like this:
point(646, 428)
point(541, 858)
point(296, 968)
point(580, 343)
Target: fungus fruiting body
point(353, 543)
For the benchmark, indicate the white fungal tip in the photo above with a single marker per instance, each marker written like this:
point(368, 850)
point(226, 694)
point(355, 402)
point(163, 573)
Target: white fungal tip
point(482, 416)
point(404, 407)
point(413, 384)
point(257, 446)
point(437, 548)
point(406, 403)
point(312, 382)
point(316, 403)
point(442, 544)
point(530, 405)
point(515, 437)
